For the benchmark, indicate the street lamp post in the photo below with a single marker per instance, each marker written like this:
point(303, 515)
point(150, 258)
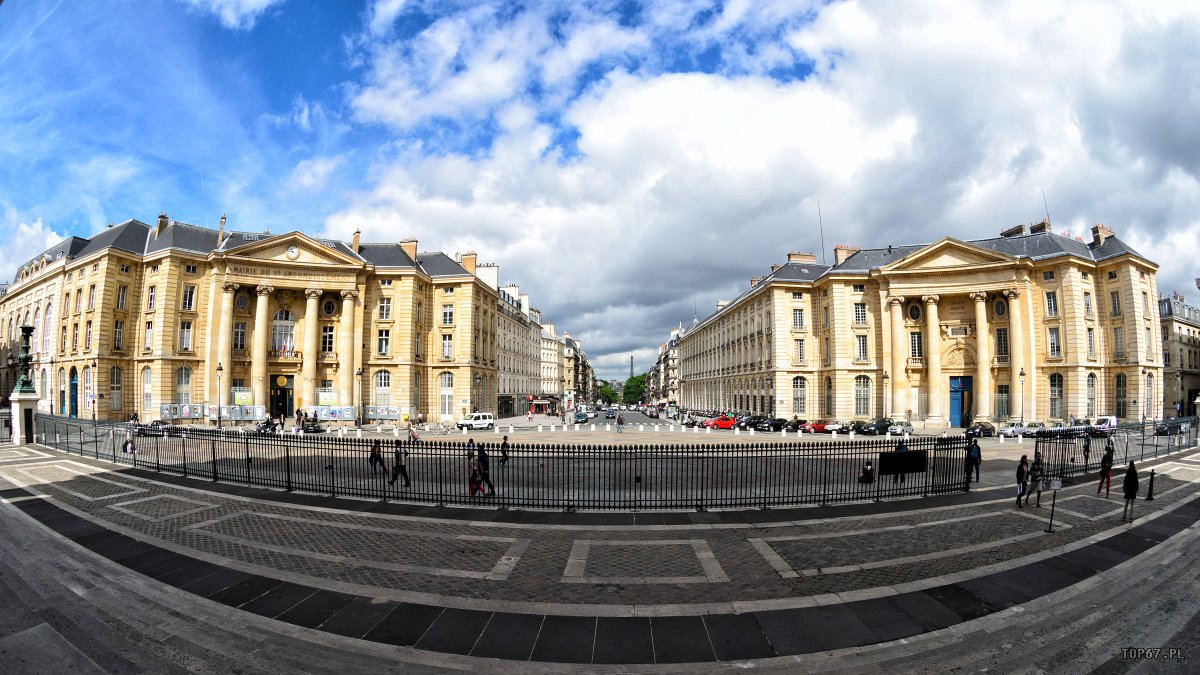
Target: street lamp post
point(95, 377)
point(53, 386)
point(220, 372)
point(362, 411)
point(477, 397)
point(886, 392)
point(1146, 398)
point(1022, 376)
point(1179, 386)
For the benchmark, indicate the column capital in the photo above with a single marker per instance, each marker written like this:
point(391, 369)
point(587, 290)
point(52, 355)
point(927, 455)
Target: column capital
point(313, 292)
point(1011, 293)
point(979, 296)
point(264, 290)
point(930, 299)
point(895, 299)
point(349, 295)
point(229, 286)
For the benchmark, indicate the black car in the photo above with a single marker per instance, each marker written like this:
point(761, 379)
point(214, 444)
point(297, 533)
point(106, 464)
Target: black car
point(878, 426)
point(748, 422)
point(312, 426)
point(1170, 428)
point(609, 414)
point(770, 424)
point(156, 428)
point(794, 425)
point(980, 430)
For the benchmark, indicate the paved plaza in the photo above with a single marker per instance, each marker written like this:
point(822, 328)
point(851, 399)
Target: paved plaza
point(116, 569)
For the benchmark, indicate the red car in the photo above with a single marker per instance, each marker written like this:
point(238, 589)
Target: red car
point(722, 422)
point(814, 427)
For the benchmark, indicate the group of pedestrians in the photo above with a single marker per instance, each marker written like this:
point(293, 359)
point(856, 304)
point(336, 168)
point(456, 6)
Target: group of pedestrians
point(479, 473)
point(1029, 480)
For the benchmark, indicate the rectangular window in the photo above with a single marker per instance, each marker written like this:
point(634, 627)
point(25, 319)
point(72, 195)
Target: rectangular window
point(1149, 346)
point(188, 302)
point(1087, 303)
point(860, 314)
point(1091, 342)
point(87, 336)
point(92, 297)
point(385, 282)
point(1119, 342)
point(190, 269)
point(1053, 345)
point(860, 288)
point(447, 290)
point(826, 316)
point(447, 315)
point(121, 293)
point(417, 314)
point(150, 299)
point(124, 269)
point(798, 319)
point(827, 353)
point(447, 346)
point(1112, 274)
point(1051, 303)
point(1001, 342)
point(1145, 303)
point(796, 295)
point(327, 339)
point(915, 345)
point(149, 335)
point(1002, 401)
point(118, 334)
point(75, 337)
point(384, 341)
point(799, 351)
point(1116, 302)
point(385, 309)
point(1047, 276)
point(239, 335)
point(63, 346)
point(78, 301)
point(185, 336)
point(860, 347)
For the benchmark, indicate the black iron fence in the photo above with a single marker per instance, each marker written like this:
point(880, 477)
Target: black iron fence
point(1078, 450)
point(562, 476)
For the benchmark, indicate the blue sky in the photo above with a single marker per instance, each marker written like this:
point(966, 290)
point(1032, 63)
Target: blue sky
point(628, 163)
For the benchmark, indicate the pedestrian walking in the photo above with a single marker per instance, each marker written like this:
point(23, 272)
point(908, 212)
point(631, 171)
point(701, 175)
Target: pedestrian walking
point(1022, 477)
point(620, 424)
point(976, 456)
point(504, 451)
point(420, 417)
point(868, 473)
point(470, 447)
point(128, 446)
point(1131, 491)
point(474, 476)
point(529, 415)
point(968, 465)
point(1087, 450)
point(1106, 466)
point(399, 465)
point(1035, 479)
point(485, 470)
point(376, 458)
point(898, 477)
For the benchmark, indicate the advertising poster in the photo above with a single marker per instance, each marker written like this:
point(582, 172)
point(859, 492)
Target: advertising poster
point(260, 412)
point(326, 398)
point(164, 412)
point(323, 412)
point(348, 412)
point(243, 397)
point(373, 413)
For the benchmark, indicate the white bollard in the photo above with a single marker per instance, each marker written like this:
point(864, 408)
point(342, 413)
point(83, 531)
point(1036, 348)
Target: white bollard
point(656, 427)
point(708, 430)
point(641, 427)
point(464, 431)
point(751, 432)
point(539, 428)
point(906, 435)
point(359, 433)
point(851, 433)
point(799, 433)
point(783, 433)
point(888, 434)
point(593, 426)
point(607, 426)
point(737, 431)
point(1020, 439)
point(510, 429)
point(1001, 439)
point(551, 428)
point(835, 434)
point(396, 432)
point(495, 430)
point(576, 428)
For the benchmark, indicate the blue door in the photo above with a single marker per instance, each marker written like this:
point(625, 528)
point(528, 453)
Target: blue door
point(73, 399)
point(960, 401)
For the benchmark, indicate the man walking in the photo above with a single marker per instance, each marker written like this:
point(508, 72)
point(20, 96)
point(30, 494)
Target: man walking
point(485, 469)
point(399, 465)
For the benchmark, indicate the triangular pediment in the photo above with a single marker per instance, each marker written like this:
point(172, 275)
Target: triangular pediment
point(948, 254)
point(291, 248)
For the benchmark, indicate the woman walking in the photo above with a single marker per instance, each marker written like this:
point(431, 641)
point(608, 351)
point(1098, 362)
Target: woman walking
point(1131, 492)
point(1035, 479)
point(474, 476)
point(1106, 464)
point(399, 465)
point(376, 458)
point(1022, 476)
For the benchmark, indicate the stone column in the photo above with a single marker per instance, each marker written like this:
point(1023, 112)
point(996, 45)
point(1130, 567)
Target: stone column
point(1020, 405)
point(312, 345)
point(933, 362)
point(899, 375)
point(983, 359)
point(225, 341)
point(346, 349)
point(258, 355)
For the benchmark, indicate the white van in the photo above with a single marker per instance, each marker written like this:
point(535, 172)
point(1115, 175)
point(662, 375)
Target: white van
point(1106, 423)
point(477, 421)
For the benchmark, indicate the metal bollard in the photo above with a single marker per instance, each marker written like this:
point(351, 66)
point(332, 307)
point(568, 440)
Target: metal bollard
point(1150, 492)
point(539, 428)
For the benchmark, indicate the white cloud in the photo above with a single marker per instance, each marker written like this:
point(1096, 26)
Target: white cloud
point(234, 14)
point(383, 13)
point(312, 175)
point(24, 240)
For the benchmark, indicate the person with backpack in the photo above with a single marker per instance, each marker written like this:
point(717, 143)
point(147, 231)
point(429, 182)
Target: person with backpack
point(376, 458)
point(1106, 465)
point(1035, 479)
point(976, 456)
point(1130, 488)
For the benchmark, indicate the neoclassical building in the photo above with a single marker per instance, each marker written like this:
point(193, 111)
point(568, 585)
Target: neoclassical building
point(1181, 355)
point(1026, 325)
point(167, 320)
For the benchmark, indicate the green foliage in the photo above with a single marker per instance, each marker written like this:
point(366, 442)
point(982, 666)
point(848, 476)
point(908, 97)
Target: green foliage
point(607, 394)
point(635, 388)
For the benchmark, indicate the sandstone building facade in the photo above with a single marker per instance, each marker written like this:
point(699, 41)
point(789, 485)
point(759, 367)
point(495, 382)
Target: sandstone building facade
point(1027, 325)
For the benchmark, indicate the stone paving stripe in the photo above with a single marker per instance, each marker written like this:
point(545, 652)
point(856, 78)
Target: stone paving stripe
point(1077, 570)
point(151, 561)
point(680, 639)
point(244, 591)
point(278, 600)
point(1097, 557)
point(884, 619)
point(217, 581)
point(923, 610)
point(509, 636)
point(404, 625)
point(574, 573)
point(197, 506)
point(786, 632)
point(193, 571)
point(736, 637)
point(566, 639)
point(1127, 543)
point(1039, 579)
point(359, 616)
point(454, 631)
point(627, 640)
point(316, 608)
point(62, 466)
point(1000, 591)
point(959, 600)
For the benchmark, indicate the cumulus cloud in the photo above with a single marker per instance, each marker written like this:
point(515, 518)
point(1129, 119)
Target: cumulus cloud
point(312, 175)
point(233, 14)
point(25, 239)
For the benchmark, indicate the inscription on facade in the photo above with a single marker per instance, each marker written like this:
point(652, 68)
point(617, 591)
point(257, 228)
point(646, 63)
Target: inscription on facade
point(280, 273)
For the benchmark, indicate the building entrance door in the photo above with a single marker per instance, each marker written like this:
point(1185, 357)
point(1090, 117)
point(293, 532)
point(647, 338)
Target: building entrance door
point(283, 401)
point(961, 401)
point(73, 399)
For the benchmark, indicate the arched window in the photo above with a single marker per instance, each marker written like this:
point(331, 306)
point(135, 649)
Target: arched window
point(44, 390)
point(46, 336)
point(147, 389)
point(1148, 408)
point(183, 385)
point(1091, 395)
point(829, 397)
point(862, 395)
point(1056, 396)
point(1122, 408)
point(446, 395)
point(383, 388)
point(115, 400)
point(283, 333)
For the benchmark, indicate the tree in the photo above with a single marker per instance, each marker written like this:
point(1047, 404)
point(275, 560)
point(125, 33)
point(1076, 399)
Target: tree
point(635, 388)
point(607, 394)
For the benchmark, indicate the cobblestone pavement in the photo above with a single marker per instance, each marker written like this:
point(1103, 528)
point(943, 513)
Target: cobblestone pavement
point(551, 564)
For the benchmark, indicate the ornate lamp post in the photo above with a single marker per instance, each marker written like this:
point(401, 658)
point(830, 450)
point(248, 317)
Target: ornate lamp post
point(359, 374)
point(95, 400)
point(1022, 376)
point(886, 393)
point(477, 396)
point(220, 372)
point(1146, 398)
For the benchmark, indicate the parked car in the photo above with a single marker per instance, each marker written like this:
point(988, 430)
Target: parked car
point(652, 413)
point(814, 427)
point(748, 422)
point(980, 429)
point(832, 426)
point(858, 426)
point(156, 428)
point(312, 426)
point(1033, 428)
point(901, 427)
point(1052, 429)
point(478, 421)
point(794, 425)
point(581, 418)
point(722, 422)
point(769, 424)
point(1104, 425)
point(1171, 428)
point(1011, 430)
point(878, 426)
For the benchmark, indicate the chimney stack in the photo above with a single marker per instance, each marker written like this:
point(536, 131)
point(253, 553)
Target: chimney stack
point(356, 240)
point(796, 257)
point(1014, 231)
point(409, 246)
point(754, 281)
point(842, 252)
point(162, 224)
point(1040, 227)
point(721, 304)
point(1100, 232)
point(221, 231)
point(468, 261)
